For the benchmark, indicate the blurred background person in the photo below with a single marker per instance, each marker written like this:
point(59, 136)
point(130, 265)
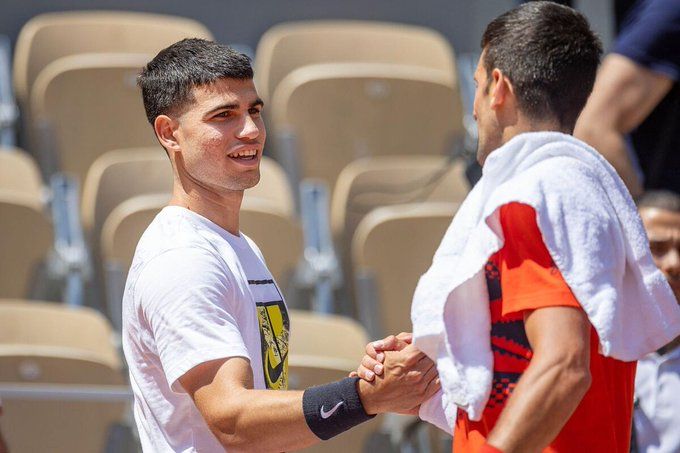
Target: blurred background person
point(657, 383)
point(632, 115)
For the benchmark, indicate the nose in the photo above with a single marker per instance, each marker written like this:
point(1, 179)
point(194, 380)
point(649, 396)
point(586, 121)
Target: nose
point(250, 129)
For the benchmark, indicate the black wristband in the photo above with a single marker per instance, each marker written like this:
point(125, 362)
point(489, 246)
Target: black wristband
point(333, 408)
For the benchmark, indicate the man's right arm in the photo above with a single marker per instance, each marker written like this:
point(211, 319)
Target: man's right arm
point(244, 419)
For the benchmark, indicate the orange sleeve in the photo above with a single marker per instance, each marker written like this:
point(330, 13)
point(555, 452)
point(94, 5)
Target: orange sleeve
point(529, 277)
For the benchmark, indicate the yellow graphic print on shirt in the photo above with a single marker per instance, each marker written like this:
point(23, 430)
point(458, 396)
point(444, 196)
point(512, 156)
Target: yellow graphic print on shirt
point(274, 331)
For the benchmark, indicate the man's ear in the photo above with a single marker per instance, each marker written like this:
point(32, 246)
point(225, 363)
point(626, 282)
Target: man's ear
point(166, 128)
point(502, 89)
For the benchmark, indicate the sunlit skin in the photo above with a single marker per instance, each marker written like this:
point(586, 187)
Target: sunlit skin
point(202, 141)
point(496, 111)
point(663, 230)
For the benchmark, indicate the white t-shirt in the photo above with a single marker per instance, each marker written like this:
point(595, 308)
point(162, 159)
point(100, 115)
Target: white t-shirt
point(196, 293)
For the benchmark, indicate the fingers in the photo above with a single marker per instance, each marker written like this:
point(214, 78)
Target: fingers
point(434, 383)
point(406, 337)
point(372, 365)
point(365, 374)
point(353, 374)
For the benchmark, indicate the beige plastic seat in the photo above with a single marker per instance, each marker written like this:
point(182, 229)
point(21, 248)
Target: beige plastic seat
point(369, 183)
point(394, 246)
point(318, 357)
point(26, 237)
point(345, 111)
point(19, 172)
point(278, 236)
point(48, 37)
point(42, 345)
point(122, 174)
point(92, 105)
point(288, 46)
point(119, 175)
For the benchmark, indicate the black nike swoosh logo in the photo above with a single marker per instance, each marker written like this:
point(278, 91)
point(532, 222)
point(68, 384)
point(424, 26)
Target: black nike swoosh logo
point(274, 373)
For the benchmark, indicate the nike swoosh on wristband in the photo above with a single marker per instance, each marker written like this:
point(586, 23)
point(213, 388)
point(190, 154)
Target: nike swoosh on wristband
point(325, 414)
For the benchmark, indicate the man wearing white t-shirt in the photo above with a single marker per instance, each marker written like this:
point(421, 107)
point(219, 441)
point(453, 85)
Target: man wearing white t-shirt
point(205, 328)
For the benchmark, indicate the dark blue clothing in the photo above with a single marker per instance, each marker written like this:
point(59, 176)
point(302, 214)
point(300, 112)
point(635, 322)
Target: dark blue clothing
point(650, 36)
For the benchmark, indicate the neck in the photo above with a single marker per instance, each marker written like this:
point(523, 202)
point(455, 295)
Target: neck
point(220, 208)
point(523, 125)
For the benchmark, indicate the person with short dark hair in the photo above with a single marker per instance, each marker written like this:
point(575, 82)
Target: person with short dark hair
point(532, 304)
point(657, 381)
point(205, 327)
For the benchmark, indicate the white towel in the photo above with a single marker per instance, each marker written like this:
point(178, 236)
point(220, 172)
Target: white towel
point(594, 234)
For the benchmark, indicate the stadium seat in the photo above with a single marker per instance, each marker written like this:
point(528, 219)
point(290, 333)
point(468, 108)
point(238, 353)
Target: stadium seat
point(26, 237)
point(344, 111)
point(117, 176)
point(392, 247)
point(277, 234)
point(20, 173)
point(53, 355)
point(288, 46)
point(318, 357)
point(369, 183)
point(48, 37)
point(122, 174)
point(81, 123)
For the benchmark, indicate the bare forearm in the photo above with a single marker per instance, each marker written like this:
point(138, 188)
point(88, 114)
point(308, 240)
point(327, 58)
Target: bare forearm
point(543, 401)
point(611, 143)
point(264, 421)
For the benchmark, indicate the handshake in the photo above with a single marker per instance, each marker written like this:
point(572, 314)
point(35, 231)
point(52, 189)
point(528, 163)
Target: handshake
point(395, 376)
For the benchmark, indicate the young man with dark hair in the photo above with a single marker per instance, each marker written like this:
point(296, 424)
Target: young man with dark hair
point(657, 382)
point(205, 327)
point(532, 305)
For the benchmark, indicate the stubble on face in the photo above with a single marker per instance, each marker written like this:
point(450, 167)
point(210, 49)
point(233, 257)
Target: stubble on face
point(223, 119)
point(489, 134)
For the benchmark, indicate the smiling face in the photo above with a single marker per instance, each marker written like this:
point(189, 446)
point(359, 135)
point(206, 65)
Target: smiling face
point(663, 230)
point(221, 136)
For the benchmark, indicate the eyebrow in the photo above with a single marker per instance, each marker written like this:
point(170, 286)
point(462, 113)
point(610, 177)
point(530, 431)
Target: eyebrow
point(233, 106)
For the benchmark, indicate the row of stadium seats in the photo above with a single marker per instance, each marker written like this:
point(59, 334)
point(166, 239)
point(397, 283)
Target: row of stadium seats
point(115, 214)
point(60, 371)
point(362, 178)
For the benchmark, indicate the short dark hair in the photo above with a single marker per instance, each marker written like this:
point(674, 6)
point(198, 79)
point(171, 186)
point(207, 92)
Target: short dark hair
point(167, 80)
point(550, 55)
point(660, 199)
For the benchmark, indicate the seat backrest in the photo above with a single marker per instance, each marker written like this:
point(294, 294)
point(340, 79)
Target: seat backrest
point(48, 37)
point(26, 236)
point(66, 425)
point(368, 110)
point(50, 343)
point(119, 175)
point(288, 46)
point(67, 95)
point(19, 172)
point(395, 244)
point(316, 335)
point(58, 327)
point(278, 236)
point(122, 174)
point(318, 357)
point(372, 182)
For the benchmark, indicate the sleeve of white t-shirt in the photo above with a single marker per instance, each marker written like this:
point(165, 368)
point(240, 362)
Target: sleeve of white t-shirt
point(187, 301)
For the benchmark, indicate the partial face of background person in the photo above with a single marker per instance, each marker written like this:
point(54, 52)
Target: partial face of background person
point(663, 230)
point(221, 136)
